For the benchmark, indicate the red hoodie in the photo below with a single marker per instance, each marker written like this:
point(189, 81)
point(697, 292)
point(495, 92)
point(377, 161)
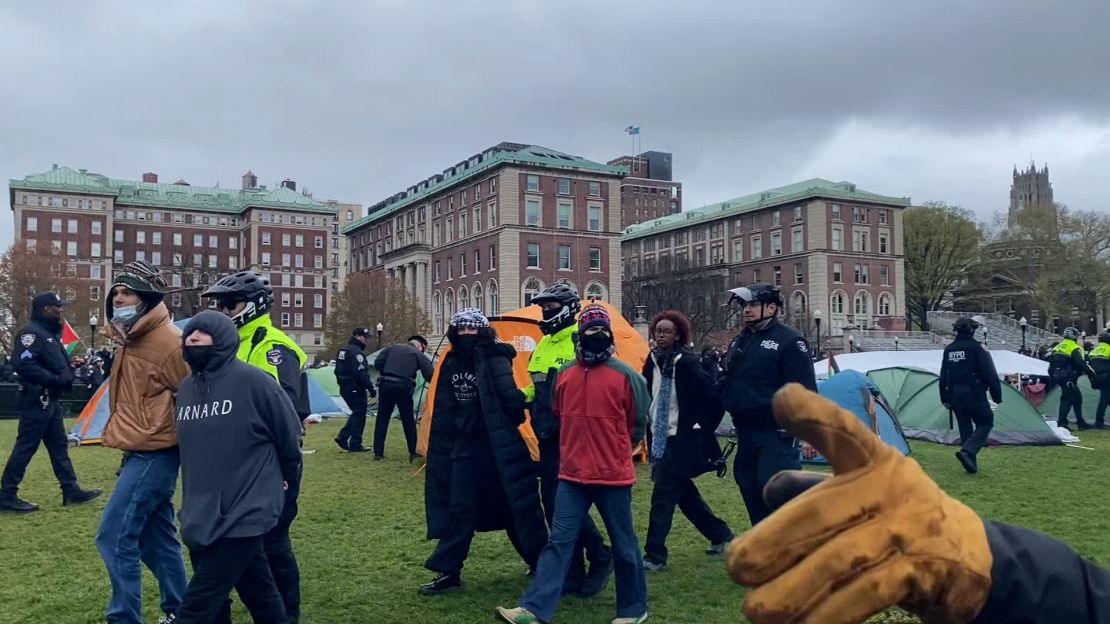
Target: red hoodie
point(602, 411)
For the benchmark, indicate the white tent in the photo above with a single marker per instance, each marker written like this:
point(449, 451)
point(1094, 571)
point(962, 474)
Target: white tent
point(1007, 362)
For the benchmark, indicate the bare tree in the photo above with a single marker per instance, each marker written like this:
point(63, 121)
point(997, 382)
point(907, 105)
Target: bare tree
point(25, 271)
point(941, 244)
point(369, 299)
point(674, 284)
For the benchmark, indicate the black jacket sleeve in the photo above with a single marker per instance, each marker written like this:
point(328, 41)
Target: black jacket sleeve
point(1081, 365)
point(285, 429)
point(797, 367)
point(362, 378)
point(990, 375)
point(1037, 579)
point(289, 375)
point(30, 364)
point(427, 369)
point(500, 371)
point(379, 362)
point(710, 410)
point(945, 383)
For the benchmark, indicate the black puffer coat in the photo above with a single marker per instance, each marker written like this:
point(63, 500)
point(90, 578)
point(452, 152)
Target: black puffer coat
point(512, 493)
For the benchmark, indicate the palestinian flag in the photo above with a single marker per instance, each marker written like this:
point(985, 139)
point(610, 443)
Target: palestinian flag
point(70, 340)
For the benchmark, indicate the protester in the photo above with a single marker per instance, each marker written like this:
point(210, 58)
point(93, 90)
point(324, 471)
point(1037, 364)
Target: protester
point(682, 442)
point(353, 376)
point(239, 438)
point(560, 303)
point(602, 406)
point(819, 559)
point(397, 366)
point(966, 373)
point(246, 298)
point(138, 522)
point(480, 475)
point(762, 358)
point(45, 374)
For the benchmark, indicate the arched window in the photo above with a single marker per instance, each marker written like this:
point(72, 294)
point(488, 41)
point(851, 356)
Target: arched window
point(885, 304)
point(532, 287)
point(437, 311)
point(450, 311)
point(594, 290)
point(837, 303)
point(476, 295)
point(464, 297)
point(798, 303)
point(493, 301)
point(863, 303)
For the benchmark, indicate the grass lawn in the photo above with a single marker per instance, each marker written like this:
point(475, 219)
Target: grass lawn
point(360, 536)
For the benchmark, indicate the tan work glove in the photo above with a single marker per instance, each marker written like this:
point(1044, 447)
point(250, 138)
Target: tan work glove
point(877, 534)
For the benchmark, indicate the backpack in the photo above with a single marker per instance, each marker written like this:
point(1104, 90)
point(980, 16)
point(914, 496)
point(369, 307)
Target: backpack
point(1059, 369)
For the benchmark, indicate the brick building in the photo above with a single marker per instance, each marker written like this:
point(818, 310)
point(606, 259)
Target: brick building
point(829, 246)
point(339, 248)
point(197, 233)
point(495, 229)
point(649, 191)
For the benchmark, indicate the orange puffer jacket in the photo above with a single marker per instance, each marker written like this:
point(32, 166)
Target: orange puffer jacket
point(146, 371)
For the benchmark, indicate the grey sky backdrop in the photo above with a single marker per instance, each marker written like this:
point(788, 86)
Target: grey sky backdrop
point(935, 100)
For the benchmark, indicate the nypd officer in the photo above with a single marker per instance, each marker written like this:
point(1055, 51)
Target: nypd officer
point(763, 358)
point(353, 374)
point(966, 370)
point(42, 364)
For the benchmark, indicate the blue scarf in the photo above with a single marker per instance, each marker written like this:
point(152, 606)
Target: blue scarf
point(662, 422)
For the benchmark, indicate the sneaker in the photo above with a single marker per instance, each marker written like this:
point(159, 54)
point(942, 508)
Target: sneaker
point(596, 579)
point(718, 548)
point(654, 566)
point(968, 461)
point(15, 504)
point(168, 618)
point(441, 585)
point(631, 620)
point(80, 497)
point(341, 443)
point(517, 615)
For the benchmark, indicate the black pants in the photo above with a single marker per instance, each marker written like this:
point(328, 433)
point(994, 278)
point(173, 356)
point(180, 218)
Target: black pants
point(1103, 403)
point(589, 538)
point(673, 489)
point(760, 454)
point(38, 424)
point(1070, 398)
point(471, 455)
point(394, 395)
point(231, 562)
point(351, 433)
point(973, 416)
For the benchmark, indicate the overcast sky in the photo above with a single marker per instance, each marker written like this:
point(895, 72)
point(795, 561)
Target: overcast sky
point(933, 100)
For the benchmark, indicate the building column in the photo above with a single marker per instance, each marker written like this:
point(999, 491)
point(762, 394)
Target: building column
point(421, 282)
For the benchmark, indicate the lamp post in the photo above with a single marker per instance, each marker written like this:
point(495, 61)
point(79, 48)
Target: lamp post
point(380, 328)
point(817, 322)
point(896, 343)
point(1024, 326)
point(92, 330)
point(851, 343)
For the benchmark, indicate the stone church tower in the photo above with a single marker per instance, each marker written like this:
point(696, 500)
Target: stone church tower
point(1030, 187)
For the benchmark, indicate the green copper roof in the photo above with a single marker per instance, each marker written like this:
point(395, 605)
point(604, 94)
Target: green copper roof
point(799, 191)
point(501, 154)
point(133, 193)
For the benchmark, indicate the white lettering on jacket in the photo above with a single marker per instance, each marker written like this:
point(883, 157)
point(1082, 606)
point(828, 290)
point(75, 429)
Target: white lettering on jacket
point(204, 410)
point(770, 344)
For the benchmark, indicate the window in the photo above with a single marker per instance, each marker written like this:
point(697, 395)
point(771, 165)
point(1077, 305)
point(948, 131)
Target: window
point(450, 268)
point(285, 239)
point(838, 273)
point(435, 233)
point(533, 183)
point(477, 261)
point(32, 243)
point(492, 258)
point(213, 241)
point(884, 303)
point(863, 304)
point(299, 261)
point(285, 319)
point(435, 274)
point(286, 260)
point(299, 240)
point(212, 262)
point(266, 258)
point(462, 265)
point(233, 262)
point(532, 212)
point(119, 236)
point(860, 240)
point(493, 185)
point(233, 243)
point(757, 247)
point(140, 255)
point(449, 230)
point(318, 300)
point(776, 243)
point(334, 259)
point(595, 258)
point(797, 213)
point(835, 210)
point(317, 322)
point(564, 186)
point(776, 274)
point(861, 273)
point(94, 271)
point(564, 215)
point(265, 238)
point(198, 260)
point(156, 238)
point(532, 287)
point(56, 226)
point(838, 239)
point(71, 226)
point(594, 218)
point(71, 248)
point(594, 291)
point(798, 245)
point(335, 241)
point(198, 240)
point(464, 297)
point(493, 298)
point(564, 257)
point(94, 293)
point(298, 281)
point(33, 222)
point(799, 277)
point(477, 219)
point(884, 242)
point(117, 256)
point(318, 262)
point(156, 258)
point(97, 227)
point(882, 221)
point(837, 303)
point(286, 279)
point(776, 218)
point(798, 303)
point(884, 275)
point(533, 256)
point(738, 250)
point(140, 237)
point(298, 300)
point(464, 222)
point(595, 189)
point(492, 209)
point(285, 299)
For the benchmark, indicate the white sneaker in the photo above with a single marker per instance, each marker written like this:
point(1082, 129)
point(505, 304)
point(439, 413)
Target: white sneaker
point(168, 618)
point(631, 620)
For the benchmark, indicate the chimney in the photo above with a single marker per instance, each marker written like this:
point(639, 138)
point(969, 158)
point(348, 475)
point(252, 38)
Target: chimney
point(289, 184)
point(250, 180)
point(150, 177)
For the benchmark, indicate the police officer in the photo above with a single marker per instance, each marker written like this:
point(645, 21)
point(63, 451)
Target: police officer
point(44, 370)
point(353, 375)
point(247, 297)
point(397, 366)
point(1099, 359)
point(762, 359)
point(966, 370)
point(1065, 365)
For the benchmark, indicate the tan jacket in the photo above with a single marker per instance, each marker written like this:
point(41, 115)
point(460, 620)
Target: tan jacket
point(146, 371)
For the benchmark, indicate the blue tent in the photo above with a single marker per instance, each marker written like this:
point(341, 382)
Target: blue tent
point(856, 392)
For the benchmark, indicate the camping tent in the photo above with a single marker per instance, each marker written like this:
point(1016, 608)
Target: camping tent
point(1051, 404)
point(1006, 362)
point(521, 329)
point(854, 391)
point(914, 395)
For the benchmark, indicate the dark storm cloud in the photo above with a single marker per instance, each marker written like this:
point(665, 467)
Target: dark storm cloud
point(357, 100)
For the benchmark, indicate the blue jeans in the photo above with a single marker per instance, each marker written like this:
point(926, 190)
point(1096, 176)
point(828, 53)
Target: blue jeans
point(138, 525)
point(572, 506)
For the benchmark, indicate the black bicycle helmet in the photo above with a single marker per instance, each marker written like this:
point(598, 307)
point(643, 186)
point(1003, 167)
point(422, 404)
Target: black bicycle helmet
point(1072, 333)
point(249, 286)
point(1104, 337)
point(567, 296)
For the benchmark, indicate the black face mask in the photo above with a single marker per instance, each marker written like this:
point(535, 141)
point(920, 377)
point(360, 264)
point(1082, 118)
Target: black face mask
point(596, 343)
point(198, 356)
point(466, 342)
point(550, 314)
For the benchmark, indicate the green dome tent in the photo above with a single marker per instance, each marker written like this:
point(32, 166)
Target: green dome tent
point(1051, 404)
point(915, 397)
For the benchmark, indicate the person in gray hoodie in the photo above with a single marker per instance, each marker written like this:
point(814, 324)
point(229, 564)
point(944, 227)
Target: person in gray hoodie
point(238, 435)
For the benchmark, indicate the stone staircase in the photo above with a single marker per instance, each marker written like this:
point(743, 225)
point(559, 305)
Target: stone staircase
point(998, 331)
point(876, 340)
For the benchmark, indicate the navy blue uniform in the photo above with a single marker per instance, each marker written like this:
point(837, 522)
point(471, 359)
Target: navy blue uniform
point(966, 373)
point(42, 364)
point(759, 363)
point(352, 372)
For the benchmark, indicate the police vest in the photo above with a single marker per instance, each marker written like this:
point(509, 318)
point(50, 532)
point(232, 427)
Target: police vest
point(1066, 347)
point(1101, 351)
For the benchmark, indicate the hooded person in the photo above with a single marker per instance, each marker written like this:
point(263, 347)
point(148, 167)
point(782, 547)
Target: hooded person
point(239, 438)
point(480, 475)
point(44, 370)
point(138, 521)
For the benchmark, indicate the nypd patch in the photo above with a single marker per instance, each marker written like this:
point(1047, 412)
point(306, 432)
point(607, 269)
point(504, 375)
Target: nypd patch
point(802, 346)
point(342, 355)
point(360, 358)
point(27, 340)
point(274, 357)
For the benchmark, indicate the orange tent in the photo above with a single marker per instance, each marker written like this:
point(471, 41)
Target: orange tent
point(521, 328)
